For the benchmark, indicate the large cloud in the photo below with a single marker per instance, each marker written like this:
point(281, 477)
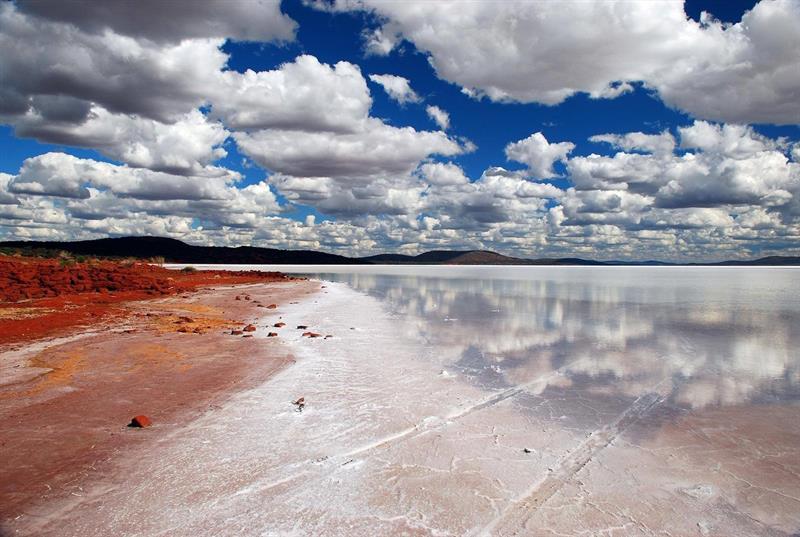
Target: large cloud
point(174, 20)
point(187, 146)
point(301, 95)
point(728, 165)
point(547, 51)
point(374, 150)
point(122, 74)
point(539, 154)
point(62, 175)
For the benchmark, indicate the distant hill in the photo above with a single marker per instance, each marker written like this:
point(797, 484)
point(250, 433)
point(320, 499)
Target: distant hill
point(775, 260)
point(448, 257)
point(470, 257)
point(175, 251)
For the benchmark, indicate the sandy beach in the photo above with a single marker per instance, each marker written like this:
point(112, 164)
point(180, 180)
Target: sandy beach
point(66, 399)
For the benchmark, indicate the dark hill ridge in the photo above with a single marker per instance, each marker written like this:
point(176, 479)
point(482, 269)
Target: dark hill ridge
point(448, 257)
point(175, 251)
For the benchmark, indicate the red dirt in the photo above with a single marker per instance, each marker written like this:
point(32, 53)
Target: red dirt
point(65, 415)
point(41, 297)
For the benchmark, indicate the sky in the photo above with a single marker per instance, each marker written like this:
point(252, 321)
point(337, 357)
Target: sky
point(631, 129)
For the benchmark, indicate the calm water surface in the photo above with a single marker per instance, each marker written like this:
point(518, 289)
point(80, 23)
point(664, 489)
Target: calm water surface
point(718, 336)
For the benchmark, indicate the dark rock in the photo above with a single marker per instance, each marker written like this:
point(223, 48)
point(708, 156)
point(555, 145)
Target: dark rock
point(272, 334)
point(302, 327)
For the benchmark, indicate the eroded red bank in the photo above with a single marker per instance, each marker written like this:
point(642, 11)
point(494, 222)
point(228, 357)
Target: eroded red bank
point(44, 297)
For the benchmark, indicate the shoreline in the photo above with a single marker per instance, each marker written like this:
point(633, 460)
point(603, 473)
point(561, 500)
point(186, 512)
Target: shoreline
point(417, 421)
point(67, 400)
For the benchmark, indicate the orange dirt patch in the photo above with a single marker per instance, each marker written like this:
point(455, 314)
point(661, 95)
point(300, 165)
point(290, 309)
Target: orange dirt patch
point(42, 297)
point(65, 416)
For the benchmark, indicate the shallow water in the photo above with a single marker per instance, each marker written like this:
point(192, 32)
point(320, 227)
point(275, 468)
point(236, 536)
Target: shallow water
point(499, 401)
point(716, 336)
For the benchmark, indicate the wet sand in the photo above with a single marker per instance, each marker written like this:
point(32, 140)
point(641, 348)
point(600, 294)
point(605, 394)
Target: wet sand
point(65, 402)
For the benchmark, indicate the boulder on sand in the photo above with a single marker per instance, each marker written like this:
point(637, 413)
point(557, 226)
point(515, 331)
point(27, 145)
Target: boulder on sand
point(279, 325)
point(250, 328)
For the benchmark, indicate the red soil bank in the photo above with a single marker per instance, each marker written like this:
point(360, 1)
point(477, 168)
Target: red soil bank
point(56, 296)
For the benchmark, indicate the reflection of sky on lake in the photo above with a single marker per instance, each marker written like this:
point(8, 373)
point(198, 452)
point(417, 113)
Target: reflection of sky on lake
point(705, 336)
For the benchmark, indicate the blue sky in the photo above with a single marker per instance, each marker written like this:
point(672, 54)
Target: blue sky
point(264, 124)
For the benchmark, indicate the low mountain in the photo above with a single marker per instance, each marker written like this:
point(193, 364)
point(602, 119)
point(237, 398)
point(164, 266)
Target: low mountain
point(175, 251)
point(448, 257)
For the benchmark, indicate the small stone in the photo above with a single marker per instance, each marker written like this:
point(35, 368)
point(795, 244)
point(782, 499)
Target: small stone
point(140, 421)
point(238, 297)
point(272, 306)
point(272, 334)
point(247, 297)
point(302, 327)
point(328, 336)
point(236, 332)
point(185, 320)
point(526, 450)
point(279, 325)
point(250, 328)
